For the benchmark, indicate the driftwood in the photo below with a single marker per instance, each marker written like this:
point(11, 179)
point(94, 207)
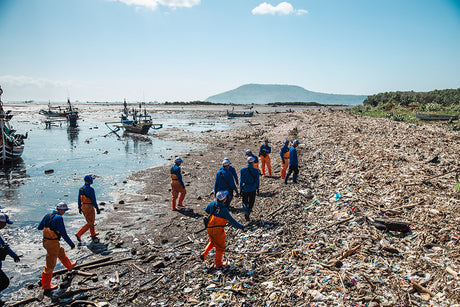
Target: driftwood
point(421, 288)
point(391, 225)
point(81, 302)
point(83, 273)
point(432, 177)
point(78, 266)
point(140, 270)
point(336, 223)
point(133, 295)
point(108, 263)
point(23, 302)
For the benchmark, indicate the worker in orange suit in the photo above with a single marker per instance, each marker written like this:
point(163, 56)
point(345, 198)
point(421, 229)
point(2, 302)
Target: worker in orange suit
point(264, 155)
point(87, 204)
point(177, 185)
point(284, 153)
point(53, 228)
point(219, 217)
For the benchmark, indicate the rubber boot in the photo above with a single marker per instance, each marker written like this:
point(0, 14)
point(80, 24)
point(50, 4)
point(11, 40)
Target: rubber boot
point(81, 232)
point(206, 251)
point(46, 282)
point(294, 178)
point(218, 259)
point(174, 208)
point(66, 262)
point(270, 172)
point(92, 232)
point(181, 200)
point(283, 174)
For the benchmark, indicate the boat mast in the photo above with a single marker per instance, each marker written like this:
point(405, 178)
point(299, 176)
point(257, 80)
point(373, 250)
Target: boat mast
point(2, 124)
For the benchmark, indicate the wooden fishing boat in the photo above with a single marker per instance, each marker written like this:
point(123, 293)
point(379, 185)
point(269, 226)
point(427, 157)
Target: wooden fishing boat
point(134, 121)
point(240, 114)
point(69, 111)
point(11, 143)
point(424, 116)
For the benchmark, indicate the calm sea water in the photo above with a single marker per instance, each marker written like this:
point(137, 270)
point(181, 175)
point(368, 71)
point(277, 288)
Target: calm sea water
point(28, 193)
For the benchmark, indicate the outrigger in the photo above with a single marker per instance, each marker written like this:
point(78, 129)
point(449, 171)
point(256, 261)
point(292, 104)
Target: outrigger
point(136, 121)
point(11, 144)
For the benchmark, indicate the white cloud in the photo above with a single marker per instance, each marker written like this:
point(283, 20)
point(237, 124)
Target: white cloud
point(28, 81)
point(153, 4)
point(284, 8)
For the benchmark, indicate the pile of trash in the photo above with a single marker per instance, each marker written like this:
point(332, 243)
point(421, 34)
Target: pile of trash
point(373, 221)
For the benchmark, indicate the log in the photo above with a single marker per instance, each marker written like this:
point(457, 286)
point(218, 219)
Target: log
point(83, 273)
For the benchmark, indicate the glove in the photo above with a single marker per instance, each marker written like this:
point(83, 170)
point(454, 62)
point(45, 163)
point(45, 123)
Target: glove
point(72, 246)
point(79, 210)
point(16, 259)
point(98, 211)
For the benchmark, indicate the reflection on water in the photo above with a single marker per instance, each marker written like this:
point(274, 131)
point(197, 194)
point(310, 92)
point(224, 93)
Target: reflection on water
point(72, 135)
point(12, 175)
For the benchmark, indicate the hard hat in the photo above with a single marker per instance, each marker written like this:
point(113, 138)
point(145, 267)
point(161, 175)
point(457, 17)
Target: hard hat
point(248, 152)
point(225, 163)
point(251, 159)
point(89, 179)
point(5, 219)
point(221, 195)
point(178, 159)
point(62, 206)
point(227, 159)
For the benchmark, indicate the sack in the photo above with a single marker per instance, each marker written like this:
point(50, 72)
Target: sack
point(206, 221)
point(3, 252)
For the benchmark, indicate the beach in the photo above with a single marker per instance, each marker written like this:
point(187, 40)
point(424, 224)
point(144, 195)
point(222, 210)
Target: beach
point(316, 242)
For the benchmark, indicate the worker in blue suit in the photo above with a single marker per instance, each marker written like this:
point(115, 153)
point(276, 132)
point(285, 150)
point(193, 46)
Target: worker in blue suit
point(5, 250)
point(225, 182)
point(233, 171)
point(249, 186)
point(293, 163)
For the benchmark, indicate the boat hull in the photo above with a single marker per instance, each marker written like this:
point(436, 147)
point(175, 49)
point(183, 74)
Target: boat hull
point(423, 116)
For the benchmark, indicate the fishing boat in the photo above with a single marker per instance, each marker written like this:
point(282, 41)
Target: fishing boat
point(135, 121)
point(59, 111)
point(72, 114)
point(424, 116)
point(240, 114)
point(11, 143)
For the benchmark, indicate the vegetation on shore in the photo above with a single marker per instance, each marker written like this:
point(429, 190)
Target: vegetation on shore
point(402, 106)
point(305, 104)
point(196, 102)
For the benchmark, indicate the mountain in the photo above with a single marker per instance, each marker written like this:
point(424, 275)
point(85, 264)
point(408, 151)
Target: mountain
point(268, 93)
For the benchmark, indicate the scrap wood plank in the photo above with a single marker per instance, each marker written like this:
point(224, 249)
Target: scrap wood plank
point(79, 266)
point(336, 223)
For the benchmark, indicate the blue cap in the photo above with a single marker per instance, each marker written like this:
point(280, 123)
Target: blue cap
point(89, 179)
point(266, 140)
point(296, 142)
point(5, 219)
point(248, 152)
point(178, 159)
point(286, 141)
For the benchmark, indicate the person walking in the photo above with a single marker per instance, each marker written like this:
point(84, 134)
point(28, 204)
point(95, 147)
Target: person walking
point(249, 186)
point(53, 228)
point(264, 156)
point(5, 250)
point(284, 153)
point(225, 182)
point(219, 217)
point(233, 171)
point(293, 163)
point(177, 185)
point(87, 205)
point(256, 160)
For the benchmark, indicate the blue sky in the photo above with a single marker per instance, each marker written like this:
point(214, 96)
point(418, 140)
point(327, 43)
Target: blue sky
point(184, 50)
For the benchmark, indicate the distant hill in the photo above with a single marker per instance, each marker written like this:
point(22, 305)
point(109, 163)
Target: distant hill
point(269, 93)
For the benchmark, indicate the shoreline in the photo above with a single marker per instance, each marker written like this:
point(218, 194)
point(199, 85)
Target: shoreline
point(367, 161)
